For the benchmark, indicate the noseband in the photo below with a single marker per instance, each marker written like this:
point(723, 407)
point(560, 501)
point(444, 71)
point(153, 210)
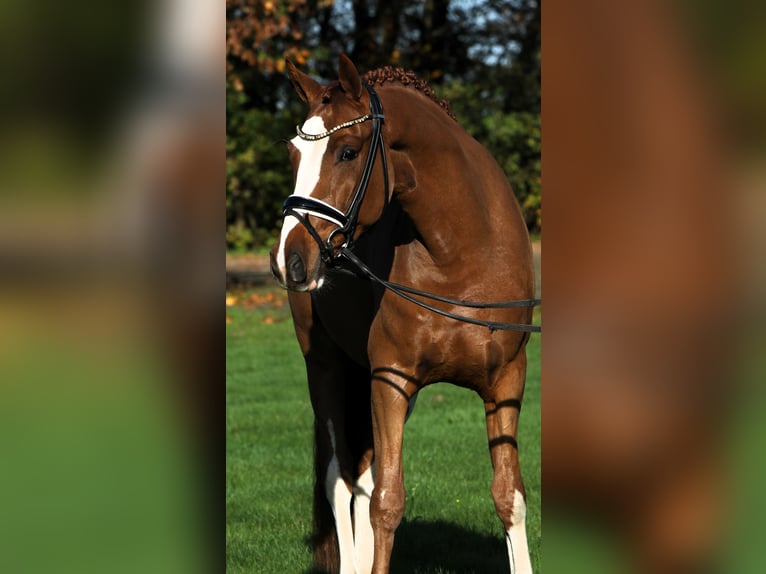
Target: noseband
point(301, 207)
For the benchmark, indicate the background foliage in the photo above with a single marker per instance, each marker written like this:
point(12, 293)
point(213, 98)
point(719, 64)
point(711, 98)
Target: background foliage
point(482, 55)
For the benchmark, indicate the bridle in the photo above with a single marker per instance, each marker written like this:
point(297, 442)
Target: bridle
point(301, 207)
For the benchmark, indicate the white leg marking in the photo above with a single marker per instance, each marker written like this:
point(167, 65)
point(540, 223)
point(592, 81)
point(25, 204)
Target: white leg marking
point(339, 495)
point(364, 542)
point(516, 538)
point(307, 178)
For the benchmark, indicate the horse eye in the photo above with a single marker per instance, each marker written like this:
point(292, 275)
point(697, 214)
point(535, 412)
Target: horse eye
point(347, 154)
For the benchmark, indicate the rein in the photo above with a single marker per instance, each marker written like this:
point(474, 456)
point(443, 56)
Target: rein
point(407, 292)
point(301, 207)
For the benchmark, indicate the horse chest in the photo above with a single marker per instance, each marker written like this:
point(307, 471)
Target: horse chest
point(346, 311)
point(431, 348)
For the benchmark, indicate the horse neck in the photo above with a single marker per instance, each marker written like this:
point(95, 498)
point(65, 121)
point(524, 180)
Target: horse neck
point(447, 206)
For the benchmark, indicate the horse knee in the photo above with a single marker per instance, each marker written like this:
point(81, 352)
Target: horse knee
point(387, 508)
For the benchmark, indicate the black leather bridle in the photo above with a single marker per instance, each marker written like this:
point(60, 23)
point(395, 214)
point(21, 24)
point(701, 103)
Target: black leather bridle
point(301, 207)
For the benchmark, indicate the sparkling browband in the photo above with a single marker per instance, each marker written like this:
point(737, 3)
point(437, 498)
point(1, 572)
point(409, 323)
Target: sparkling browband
point(314, 137)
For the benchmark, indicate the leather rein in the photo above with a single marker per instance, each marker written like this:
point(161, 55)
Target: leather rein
point(301, 207)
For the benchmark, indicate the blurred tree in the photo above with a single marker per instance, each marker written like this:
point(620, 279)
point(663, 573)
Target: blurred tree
point(482, 55)
point(260, 34)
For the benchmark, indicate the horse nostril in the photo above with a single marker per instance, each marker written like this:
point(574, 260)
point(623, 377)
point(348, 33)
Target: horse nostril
point(296, 269)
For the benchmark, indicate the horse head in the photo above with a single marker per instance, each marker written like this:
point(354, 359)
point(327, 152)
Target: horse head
point(337, 192)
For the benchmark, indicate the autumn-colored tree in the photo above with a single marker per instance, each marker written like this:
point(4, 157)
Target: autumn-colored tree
point(260, 34)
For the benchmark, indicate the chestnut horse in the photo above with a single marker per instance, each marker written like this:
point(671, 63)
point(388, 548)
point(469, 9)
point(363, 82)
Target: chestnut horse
point(430, 209)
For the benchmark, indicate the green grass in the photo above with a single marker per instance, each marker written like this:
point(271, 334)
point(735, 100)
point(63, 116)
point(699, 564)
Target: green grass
point(450, 525)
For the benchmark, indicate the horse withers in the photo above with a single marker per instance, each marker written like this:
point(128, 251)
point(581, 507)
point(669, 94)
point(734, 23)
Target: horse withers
point(384, 171)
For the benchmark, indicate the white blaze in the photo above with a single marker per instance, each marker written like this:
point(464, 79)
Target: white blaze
point(309, 167)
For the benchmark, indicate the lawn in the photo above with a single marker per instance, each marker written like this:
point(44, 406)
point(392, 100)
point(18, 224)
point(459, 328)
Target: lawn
point(450, 525)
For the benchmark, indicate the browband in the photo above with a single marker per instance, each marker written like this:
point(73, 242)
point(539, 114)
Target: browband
point(314, 137)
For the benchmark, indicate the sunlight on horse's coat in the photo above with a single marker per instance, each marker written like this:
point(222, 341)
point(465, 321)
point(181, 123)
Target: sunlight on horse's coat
point(309, 167)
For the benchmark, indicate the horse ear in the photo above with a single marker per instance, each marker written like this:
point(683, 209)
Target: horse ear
point(349, 77)
point(308, 89)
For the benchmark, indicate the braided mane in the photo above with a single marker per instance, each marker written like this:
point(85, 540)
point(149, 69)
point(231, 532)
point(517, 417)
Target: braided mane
point(399, 75)
point(406, 78)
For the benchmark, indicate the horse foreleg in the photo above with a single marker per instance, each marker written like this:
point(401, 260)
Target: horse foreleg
point(363, 535)
point(502, 415)
point(339, 496)
point(390, 400)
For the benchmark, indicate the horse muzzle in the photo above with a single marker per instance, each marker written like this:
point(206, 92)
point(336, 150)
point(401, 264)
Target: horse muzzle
point(296, 275)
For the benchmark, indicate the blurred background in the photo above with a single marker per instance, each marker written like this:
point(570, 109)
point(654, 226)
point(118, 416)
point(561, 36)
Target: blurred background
point(652, 362)
point(112, 218)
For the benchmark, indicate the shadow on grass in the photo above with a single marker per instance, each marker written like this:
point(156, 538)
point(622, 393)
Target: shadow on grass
point(426, 547)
